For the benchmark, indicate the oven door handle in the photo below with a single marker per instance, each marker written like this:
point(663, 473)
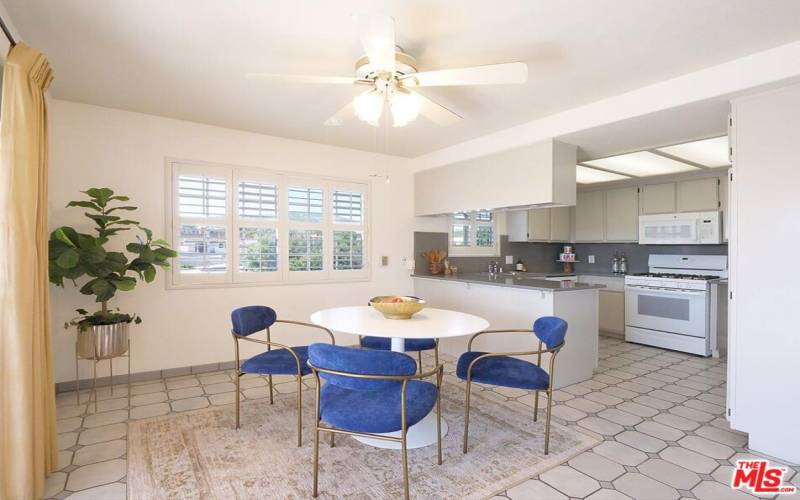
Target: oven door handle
point(665, 290)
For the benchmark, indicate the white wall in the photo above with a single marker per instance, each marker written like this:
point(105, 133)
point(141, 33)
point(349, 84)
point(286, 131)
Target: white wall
point(95, 146)
point(764, 337)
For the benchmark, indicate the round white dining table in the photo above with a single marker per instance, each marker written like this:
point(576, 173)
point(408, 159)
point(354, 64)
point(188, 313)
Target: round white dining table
point(428, 323)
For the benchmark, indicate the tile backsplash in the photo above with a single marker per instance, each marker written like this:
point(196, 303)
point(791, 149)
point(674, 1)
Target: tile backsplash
point(541, 257)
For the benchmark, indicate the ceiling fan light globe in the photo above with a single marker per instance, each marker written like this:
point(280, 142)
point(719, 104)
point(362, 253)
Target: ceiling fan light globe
point(405, 107)
point(369, 107)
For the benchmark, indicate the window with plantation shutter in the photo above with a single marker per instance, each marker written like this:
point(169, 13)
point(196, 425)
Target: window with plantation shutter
point(473, 234)
point(239, 225)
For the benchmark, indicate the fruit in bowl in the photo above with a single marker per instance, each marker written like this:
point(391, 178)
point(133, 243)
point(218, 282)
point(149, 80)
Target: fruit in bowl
point(397, 306)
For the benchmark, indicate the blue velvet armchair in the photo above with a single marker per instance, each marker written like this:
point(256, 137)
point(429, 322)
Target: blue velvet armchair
point(369, 393)
point(284, 360)
point(503, 369)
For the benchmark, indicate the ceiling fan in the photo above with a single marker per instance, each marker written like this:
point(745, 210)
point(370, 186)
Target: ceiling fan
point(390, 76)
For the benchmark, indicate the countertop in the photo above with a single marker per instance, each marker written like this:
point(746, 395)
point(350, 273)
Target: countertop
point(527, 281)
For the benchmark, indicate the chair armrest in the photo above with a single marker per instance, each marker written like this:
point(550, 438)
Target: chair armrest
point(520, 330)
point(270, 343)
point(310, 325)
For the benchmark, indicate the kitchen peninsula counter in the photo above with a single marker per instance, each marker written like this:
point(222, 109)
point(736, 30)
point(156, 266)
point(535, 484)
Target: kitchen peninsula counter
point(531, 281)
point(514, 302)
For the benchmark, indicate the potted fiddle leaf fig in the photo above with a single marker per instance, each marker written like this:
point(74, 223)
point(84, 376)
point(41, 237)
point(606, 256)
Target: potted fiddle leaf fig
point(73, 255)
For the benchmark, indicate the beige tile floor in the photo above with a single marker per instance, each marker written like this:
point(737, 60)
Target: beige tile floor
point(660, 413)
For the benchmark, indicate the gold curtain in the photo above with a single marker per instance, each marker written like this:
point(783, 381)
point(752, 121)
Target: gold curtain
point(28, 441)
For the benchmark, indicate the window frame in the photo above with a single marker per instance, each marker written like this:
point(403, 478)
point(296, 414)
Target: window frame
point(232, 222)
point(471, 249)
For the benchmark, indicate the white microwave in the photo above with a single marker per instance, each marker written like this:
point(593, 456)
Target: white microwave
point(691, 228)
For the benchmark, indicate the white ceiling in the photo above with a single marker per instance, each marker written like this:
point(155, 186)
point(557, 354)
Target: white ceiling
point(186, 59)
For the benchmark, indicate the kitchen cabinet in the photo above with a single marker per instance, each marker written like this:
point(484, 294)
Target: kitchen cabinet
point(539, 224)
point(560, 224)
point(698, 195)
point(589, 216)
point(612, 311)
point(536, 225)
point(622, 214)
point(658, 198)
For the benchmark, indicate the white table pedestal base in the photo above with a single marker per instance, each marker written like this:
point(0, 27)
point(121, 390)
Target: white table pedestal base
point(423, 433)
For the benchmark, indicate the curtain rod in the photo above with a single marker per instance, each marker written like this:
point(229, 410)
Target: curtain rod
point(7, 32)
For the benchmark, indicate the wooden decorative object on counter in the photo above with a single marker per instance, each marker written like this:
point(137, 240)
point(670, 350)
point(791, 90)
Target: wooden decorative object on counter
point(435, 258)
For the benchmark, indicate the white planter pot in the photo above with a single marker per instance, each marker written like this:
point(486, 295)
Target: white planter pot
point(103, 341)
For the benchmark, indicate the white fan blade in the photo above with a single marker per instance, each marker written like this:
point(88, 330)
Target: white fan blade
point(377, 38)
point(492, 74)
point(436, 113)
point(275, 77)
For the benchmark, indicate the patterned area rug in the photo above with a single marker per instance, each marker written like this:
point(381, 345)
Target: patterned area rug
point(200, 455)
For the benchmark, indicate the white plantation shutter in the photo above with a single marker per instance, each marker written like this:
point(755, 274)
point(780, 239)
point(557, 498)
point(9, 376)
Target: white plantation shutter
point(201, 196)
point(305, 204)
point(347, 207)
point(258, 200)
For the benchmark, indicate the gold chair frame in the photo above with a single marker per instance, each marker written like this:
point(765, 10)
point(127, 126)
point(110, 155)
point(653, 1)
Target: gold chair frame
point(269, 343)
point(318, 427)
point(553, 351)
point(419, 353)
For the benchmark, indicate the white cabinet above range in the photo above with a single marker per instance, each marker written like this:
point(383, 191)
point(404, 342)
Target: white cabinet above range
point(612, 214)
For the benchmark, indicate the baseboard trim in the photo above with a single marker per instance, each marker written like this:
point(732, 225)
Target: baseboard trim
point(86, 383)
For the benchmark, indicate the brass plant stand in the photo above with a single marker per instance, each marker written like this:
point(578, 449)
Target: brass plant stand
point(95, 360)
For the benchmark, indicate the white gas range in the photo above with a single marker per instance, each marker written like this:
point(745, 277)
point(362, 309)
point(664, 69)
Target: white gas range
point(671, 306)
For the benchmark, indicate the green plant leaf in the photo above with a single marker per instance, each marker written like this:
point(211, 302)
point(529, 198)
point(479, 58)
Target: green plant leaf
point(65, 235)
point(160, 243)
point(149, 273)
point(74, 273)
point(100, 195)
point(103, 289)
point(166, 252)
point(85, 204)
point(134, 247)
point(93, 255)
point(125, 222)
point(125, 283)
point(81, 311)
point(68, 259)
point(147, 232)
point(119, 198)
point(121, 208)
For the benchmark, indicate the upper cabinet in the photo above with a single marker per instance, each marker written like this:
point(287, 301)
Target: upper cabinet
point(658, 198)
point(590, 216)
point(622, 214)
point(698, 195)
point(560, 224)
point(539, 224)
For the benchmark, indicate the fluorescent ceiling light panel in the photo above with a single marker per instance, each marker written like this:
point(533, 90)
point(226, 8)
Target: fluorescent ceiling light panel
point(708, 152)
point(641, 164)
point(586, 175)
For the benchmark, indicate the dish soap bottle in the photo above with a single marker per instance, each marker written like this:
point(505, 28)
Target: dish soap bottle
point(623, 265)
point(615, 264)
